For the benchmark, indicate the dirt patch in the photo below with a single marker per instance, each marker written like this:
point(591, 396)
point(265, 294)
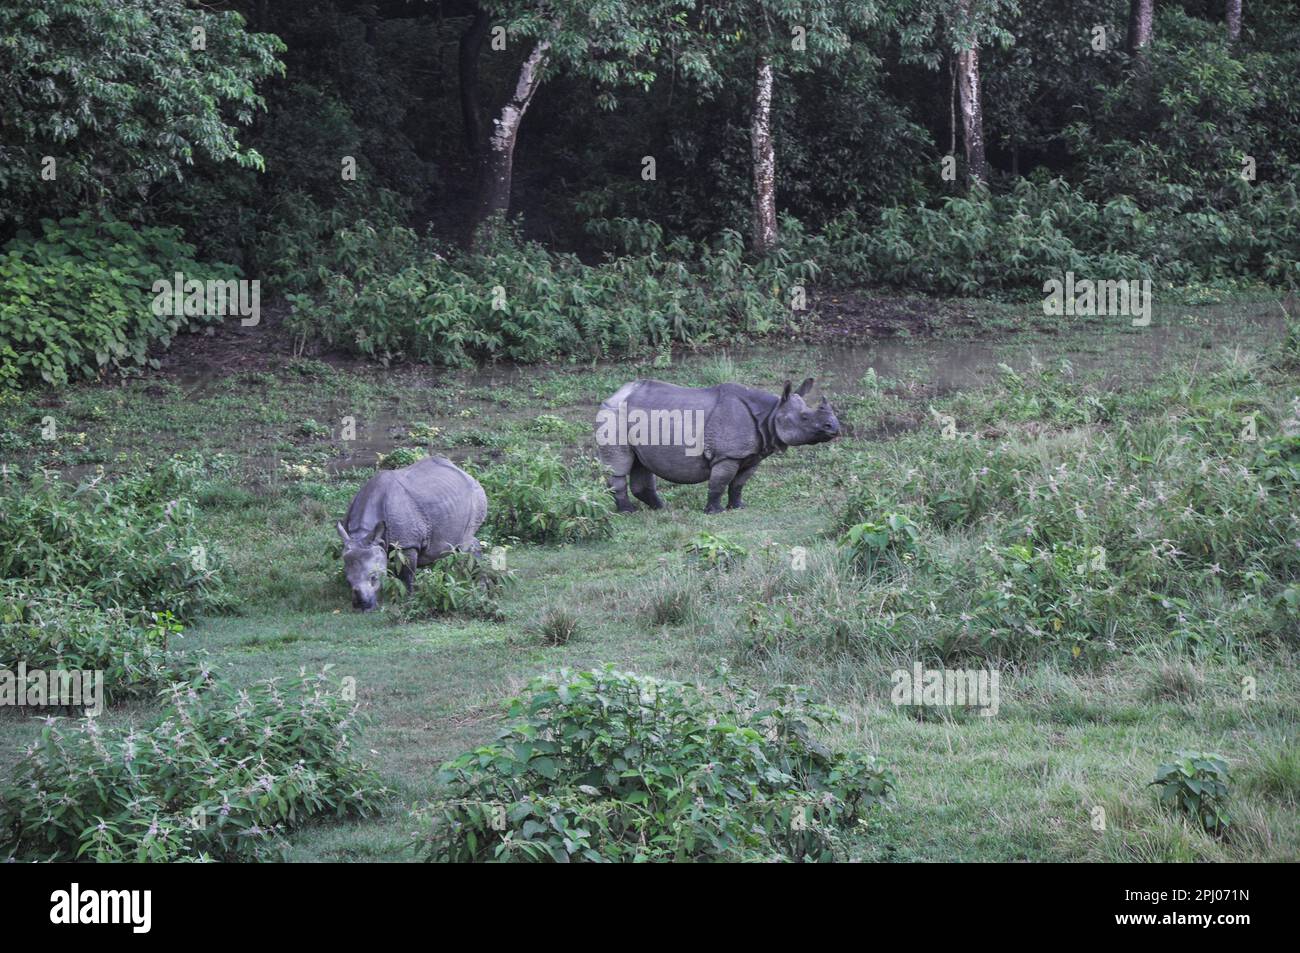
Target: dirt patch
point(229, 348)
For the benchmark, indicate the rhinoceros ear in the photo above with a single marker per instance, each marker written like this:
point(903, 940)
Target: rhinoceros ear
point(805, 387)
point(376, 534)
point(343, 533)
point(785, 394)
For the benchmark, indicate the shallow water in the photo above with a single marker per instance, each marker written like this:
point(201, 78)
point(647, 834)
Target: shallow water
point(916, 367)
point(1178, 338)
point(943, 365)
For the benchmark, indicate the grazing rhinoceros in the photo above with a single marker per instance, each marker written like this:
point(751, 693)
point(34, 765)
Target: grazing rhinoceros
point(651, 429)
point(425, 510)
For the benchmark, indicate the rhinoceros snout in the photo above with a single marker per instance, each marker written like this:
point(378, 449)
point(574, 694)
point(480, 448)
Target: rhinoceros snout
point(364, 605)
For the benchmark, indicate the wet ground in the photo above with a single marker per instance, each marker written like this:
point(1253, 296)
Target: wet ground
point(912, 348)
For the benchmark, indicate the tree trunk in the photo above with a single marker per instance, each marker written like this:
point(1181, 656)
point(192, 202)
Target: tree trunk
point(1234, 20)
point(764, 160)
point(1139, 25)
point(952, 109)
point(471, 42)
point(972, 113)
point(498, 158)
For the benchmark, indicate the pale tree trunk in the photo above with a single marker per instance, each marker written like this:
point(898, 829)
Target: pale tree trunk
point(764, 160)
point(1140, 14)
point(1234, 20)
point(972, 112)
point(498, 158)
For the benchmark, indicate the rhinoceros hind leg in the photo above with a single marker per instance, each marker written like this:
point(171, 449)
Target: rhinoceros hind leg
point(645, 487)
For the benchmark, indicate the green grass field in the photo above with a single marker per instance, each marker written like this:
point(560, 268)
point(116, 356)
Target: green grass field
point(1075, 732)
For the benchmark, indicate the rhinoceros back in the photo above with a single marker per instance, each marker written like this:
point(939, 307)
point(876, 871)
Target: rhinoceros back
point(430, 505)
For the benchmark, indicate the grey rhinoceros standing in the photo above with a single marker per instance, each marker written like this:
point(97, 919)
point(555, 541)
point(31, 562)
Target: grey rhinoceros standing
point(650, 429)
point(426, 510)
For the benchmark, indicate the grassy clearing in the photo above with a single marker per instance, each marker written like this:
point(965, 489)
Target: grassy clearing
point(1073, 733)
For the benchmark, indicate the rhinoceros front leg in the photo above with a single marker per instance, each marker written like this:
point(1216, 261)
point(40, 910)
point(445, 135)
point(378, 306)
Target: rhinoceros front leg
point(621, 461)
point(734, 502)
point(619, 485)
point(407, 572)
point(723, 472)
point(645, 487)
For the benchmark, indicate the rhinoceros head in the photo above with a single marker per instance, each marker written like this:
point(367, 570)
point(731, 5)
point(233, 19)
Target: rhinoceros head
point(365, 562)
point(797, 423)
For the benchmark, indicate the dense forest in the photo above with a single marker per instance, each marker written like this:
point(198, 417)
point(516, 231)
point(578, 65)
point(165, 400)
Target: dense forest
point(661, 163)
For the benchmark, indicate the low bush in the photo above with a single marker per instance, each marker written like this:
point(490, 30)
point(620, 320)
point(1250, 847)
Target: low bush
point(51, 629)
point(77, 299)
point(400, 457)
point(220, 776)
point(714, 552)
point(391, 296)
point(1105, 533)
point(1039, 599)
point(870, 542)
point(537, 497)
point(1197, 784)
point(608, 766)
point(1040, 229)
point(458, 584)
point(131, 543)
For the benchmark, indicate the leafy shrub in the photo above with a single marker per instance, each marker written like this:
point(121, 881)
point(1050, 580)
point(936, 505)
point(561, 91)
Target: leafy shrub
point(1043, 597)
point(982, 242)
point(1278, 461)
point(1198, 785)
point(51, 629)
point(871, 542)
point(715, 552)
point(559, 427)
point(129, 543)
point(313, 429)
point(457, 584)
point(1099, 538)
point(424, 432)
point(956, 483)
point(986, 242)
point(537, 497)
point(78, 298)
point(1288, 357)
point(607, 766)
point(220, 776)
point(400, 457)
point(391, 297)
